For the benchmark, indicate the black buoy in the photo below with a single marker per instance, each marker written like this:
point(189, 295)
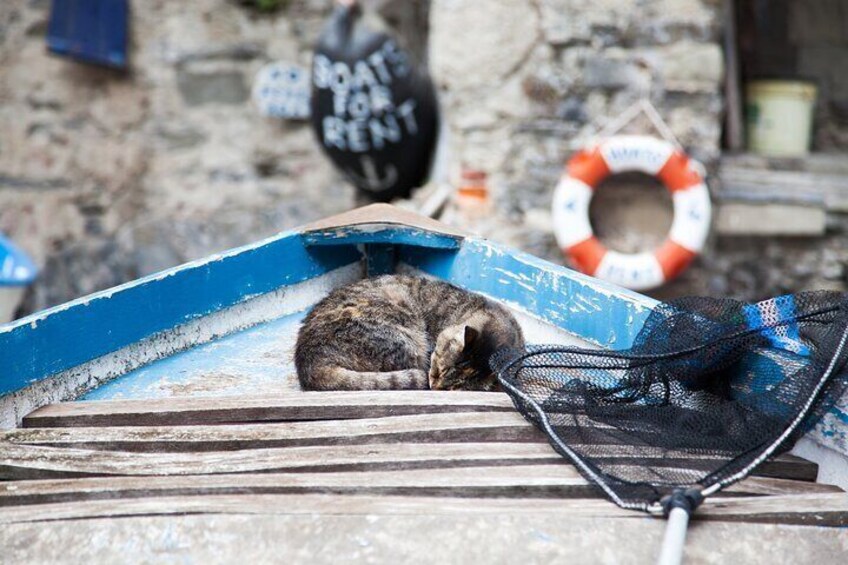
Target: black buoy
point(373, 110)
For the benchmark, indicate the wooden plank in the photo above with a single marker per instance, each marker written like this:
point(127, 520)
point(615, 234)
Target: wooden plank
point(20, 461)
point(284, 407)
point(423, 428)
point(29, 462)
point(371, 217)
point(769, 218)
point(788, 466)
point(417, 428)
point(446, 539)
point(814, 509)
point(526, 481)
point(444, 427)
point(764, 486)
point(472, 427)
point(810, 510)
point(559, 481)
point(784, 466)
point(759, 183)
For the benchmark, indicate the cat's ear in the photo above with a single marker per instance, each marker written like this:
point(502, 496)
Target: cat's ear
point(471, 335)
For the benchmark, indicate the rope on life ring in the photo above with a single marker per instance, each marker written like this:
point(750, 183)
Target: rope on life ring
point(649, 155)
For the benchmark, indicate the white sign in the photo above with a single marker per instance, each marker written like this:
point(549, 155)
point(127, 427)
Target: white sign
point(282, 90)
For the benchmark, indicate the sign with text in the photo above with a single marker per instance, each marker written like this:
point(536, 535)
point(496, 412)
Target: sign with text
point(281, 90)
point(373, 112)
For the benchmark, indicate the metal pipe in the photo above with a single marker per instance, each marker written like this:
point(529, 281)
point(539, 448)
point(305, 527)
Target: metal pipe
point(674, 538)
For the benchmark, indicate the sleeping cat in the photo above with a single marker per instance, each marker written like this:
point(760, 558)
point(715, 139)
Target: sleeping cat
point(402, 332)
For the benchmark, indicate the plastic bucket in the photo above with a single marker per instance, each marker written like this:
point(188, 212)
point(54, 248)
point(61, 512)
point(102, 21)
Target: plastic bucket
point(779, 116)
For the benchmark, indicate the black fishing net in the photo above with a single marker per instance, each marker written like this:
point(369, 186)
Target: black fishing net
point(709, 390)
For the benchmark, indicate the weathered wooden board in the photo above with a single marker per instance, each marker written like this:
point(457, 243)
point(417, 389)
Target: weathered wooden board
point(496, 539)
point(284, 407)
point(815, 509)
point(456, 539)
point(560, 481)
point(417, 428)
point(525, 481)
point(20, 461)
point(27, 462)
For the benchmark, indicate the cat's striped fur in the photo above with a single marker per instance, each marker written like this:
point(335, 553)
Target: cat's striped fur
point(402, 332)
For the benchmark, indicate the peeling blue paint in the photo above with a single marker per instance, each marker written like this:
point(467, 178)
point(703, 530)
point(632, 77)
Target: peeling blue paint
point(66, 336)
point(592, 309)
point(253, 361)
point(382, 234)
point(839, 414)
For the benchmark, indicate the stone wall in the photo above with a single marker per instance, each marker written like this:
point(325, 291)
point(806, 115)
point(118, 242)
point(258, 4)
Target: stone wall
point(106, 176)
point(524, 84)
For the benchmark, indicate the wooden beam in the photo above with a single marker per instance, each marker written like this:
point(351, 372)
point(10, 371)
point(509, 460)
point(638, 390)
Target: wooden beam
point(814, 509)
point(456, 538)
point(560, 481)
point(19, 461)
point(523, 481)
point(450, 427)
point(28, 462)
point(283, 407)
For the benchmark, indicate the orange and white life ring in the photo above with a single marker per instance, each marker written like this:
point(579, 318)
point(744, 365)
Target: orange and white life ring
point(689, 230)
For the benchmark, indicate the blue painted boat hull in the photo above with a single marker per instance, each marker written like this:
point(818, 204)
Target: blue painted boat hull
point(225, 325)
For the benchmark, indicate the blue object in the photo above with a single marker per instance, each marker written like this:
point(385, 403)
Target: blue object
point(16, 268)
point(93, 31)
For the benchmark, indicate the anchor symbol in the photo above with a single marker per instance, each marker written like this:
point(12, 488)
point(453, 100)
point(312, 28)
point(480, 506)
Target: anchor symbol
point(372, 181)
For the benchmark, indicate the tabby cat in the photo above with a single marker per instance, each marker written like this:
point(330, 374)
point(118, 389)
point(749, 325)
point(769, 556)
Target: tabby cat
point(402, 332)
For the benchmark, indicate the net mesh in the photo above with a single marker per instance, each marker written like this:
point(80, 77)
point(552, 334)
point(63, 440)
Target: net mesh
point(708, 390)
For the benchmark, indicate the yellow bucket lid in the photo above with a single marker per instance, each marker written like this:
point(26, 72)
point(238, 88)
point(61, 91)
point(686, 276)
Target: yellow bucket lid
point(791, 88)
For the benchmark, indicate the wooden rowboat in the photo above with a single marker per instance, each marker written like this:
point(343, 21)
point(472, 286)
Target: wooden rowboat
point(161, 421)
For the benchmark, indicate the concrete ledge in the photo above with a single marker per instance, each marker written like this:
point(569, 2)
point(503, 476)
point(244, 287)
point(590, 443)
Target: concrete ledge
point(746, 218)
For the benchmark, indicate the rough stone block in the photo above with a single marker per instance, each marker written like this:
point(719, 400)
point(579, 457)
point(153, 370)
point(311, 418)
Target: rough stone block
point(217, 87)
point(612, 72)
point(743, 218)
point(666, 21)
point(567, 22)
point(472, 47)
point(688, 65)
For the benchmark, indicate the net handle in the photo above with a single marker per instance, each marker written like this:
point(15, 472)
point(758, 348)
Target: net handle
point(674, 539)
